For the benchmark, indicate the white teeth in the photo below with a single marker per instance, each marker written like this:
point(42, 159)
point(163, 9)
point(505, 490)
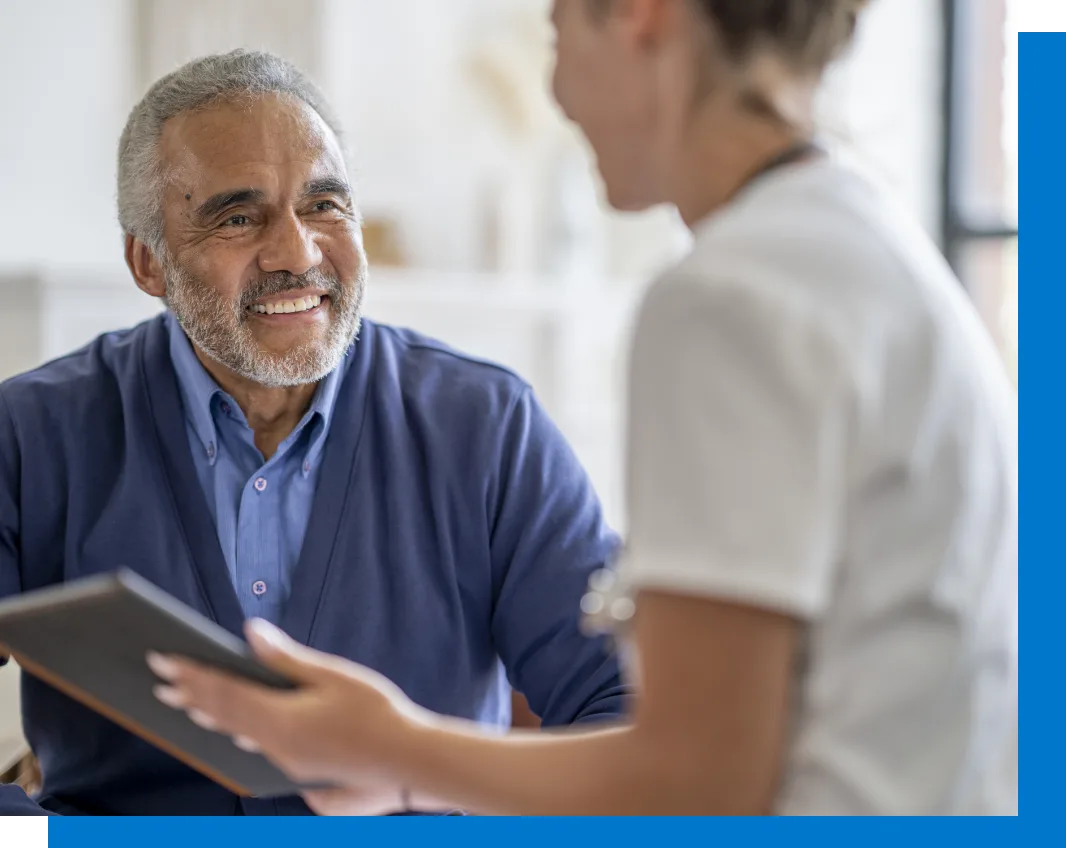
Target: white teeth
point(301, 304)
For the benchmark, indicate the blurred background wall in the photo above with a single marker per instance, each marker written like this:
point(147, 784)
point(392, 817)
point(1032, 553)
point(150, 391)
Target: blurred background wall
point(484, 220)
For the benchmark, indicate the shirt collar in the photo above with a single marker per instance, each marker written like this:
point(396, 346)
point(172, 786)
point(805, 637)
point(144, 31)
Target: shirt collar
point(323, 403)
point(199, 391)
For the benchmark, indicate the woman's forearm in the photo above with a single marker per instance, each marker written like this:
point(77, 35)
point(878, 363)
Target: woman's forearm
point(600, 772)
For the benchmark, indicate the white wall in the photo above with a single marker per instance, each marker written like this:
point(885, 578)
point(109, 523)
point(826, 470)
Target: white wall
point(66, 68)
point(884, 101)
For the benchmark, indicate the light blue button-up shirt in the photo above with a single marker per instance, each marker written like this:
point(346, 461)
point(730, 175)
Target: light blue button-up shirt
point(260, 507)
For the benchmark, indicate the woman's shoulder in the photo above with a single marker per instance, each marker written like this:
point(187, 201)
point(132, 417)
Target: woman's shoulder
point(820, 245)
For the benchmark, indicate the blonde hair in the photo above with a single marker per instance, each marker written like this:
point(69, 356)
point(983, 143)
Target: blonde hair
point(807, 35)
point(779, 48)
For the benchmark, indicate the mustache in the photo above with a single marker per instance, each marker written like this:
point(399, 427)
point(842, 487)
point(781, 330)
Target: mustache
point(277, 282)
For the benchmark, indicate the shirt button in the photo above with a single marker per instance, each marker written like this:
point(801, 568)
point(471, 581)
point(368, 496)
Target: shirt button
point(260, 484)
point(259, 588)
point(307, 466)
point(211, 451)
point(226, 408)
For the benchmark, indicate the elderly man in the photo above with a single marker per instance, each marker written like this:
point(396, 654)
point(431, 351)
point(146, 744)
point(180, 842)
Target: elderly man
point(259, 450)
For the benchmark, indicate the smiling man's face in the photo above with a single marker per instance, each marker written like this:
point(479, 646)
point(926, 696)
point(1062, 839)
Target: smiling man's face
point(265, 268)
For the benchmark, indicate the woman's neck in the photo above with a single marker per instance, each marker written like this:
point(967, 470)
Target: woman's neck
point(724, 147)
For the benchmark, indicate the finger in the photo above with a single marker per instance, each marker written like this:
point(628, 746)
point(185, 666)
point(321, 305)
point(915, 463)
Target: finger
point(369, 801)
point(278, 651)
point(215, 700)
point(326, 802)
point(306, 665)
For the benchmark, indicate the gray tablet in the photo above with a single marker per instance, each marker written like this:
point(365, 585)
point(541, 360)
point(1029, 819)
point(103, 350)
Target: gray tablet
point(88, 638)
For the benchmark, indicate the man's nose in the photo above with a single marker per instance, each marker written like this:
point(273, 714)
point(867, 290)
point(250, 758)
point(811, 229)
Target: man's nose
point(289, 246)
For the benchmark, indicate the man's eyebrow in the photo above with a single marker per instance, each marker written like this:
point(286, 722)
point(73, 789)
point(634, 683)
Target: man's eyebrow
point(224, 200)
point(328, 185)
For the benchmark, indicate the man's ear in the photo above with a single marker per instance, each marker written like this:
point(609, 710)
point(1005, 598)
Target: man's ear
point(145, 267)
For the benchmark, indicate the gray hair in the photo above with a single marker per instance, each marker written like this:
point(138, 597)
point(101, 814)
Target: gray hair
point(197, 85)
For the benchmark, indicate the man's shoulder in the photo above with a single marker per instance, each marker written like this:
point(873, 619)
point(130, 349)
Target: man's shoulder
point(422, 366)
point(82, 374)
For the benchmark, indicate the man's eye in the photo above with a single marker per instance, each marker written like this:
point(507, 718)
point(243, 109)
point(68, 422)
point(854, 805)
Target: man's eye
point(237, 221)
point(326, 206)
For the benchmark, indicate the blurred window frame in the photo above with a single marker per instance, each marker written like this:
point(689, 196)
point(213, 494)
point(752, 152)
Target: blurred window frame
point(970, 28)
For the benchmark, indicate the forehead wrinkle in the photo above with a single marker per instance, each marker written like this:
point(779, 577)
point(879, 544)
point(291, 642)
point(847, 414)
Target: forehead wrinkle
point(268, 124)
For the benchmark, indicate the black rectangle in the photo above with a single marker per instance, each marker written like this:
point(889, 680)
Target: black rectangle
point(88, 638)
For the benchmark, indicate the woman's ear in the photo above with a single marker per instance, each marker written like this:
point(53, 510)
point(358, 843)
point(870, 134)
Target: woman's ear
point(146, 269)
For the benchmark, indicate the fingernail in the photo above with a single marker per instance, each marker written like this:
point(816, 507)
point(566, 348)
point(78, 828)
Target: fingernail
point(203, 719)
point(162, 666)
point(169, 696)
point(246, 744)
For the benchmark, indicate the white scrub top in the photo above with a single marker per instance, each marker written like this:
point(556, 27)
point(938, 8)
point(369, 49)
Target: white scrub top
point(820, 425)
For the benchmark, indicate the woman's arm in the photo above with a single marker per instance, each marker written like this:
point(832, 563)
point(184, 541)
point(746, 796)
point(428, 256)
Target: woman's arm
point(707, 737)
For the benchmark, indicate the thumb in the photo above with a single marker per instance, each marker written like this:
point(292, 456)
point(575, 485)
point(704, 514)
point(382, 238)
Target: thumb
point(278, 651)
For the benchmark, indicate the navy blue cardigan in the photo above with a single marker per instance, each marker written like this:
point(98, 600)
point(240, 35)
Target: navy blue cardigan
point(451, 537)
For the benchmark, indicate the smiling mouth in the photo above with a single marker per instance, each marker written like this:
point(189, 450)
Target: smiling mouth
point(288, 307)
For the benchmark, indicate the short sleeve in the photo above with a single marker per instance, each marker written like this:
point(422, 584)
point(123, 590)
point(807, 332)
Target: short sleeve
point(736, 448)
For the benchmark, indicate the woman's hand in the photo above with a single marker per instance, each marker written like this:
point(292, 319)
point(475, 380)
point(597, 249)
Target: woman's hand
point(382, 800)
point(342, 724)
